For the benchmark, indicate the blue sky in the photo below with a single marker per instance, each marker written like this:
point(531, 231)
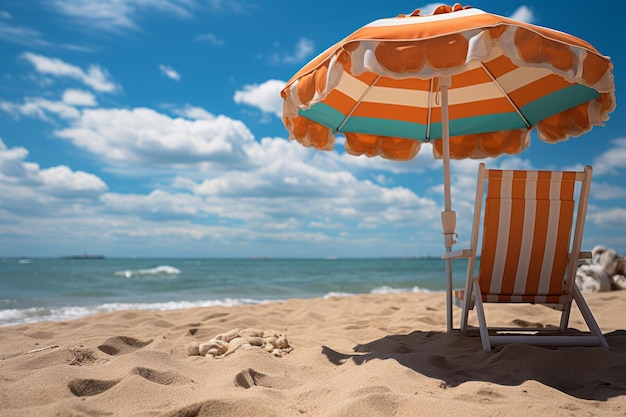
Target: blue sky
point(152, 128)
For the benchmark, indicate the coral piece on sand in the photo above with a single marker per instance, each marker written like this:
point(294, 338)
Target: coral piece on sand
point(605, 271)
point(225, 344)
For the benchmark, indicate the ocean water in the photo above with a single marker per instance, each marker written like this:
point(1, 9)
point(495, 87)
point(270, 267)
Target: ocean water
point(38, 289)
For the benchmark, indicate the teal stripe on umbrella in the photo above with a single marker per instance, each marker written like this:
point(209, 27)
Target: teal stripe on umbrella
point(332, 118)
point(557, 102)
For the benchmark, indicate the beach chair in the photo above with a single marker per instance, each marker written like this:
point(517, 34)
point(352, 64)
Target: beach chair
point(531, 239)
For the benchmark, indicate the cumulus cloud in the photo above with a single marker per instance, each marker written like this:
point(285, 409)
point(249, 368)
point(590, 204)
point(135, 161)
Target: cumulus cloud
point(304, 49)
point(95, 77)
point(265, 96)
point(605, 191)
point(33, 188)
point(301, 51)
point(611, 161)
point(285, 177)
point(145, 136)
point(169, 72)
point(194, 113)
point(524, 14)
point(158, 205)
point(40, 108)
point(45, 109)
point(75, 97)
point(609, 218)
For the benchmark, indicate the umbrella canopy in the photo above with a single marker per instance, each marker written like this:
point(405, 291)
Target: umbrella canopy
point(472, 83)
point(379, 87)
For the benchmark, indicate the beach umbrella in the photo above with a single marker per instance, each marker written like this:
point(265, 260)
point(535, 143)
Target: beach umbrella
point(471, 83)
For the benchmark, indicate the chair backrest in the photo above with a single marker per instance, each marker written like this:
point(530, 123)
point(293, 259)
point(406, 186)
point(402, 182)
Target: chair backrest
point(528, 251)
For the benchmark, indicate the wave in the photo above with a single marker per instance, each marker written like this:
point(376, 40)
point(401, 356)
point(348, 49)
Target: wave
point(11, 317)
point(159, 270)
point(385, 289)
point(390, 290)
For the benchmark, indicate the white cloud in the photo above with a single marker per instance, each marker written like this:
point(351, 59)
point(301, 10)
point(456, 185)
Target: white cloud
point(121, 15)
point(264, 96)
point(605, 191)
point(39, 190)
point(95, 77)
point(40, 108)
point(115, 15)
point(21, 35)
point(211, 38)
point(609, 218)
point(61, 180)
point(194, 113)
point(157, 205)
point(75, 97)
point(524, 14)
point(169, 72)
point(611, 161)
point(147, 137)
point(272, 191)
point(303, 50)
point(285, 184)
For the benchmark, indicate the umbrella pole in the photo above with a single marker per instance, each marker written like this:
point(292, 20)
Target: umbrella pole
point(448, 217)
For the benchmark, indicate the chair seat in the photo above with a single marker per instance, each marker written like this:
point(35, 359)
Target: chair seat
point(506, 298)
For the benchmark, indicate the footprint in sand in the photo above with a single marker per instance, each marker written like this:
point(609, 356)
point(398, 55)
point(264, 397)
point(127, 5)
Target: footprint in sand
point(89, 387)
point(159, 377)
point(121, 345)
point(249, 378)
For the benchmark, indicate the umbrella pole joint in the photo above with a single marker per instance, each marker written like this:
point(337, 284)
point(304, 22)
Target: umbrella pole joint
point(448, 224)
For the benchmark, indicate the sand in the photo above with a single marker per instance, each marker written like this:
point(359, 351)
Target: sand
point(367, 355)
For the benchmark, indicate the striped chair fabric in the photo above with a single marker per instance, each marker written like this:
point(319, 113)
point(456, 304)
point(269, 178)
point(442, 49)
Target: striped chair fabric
point(526, 235)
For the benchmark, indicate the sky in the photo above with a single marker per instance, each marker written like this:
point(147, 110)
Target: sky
point(151, 128)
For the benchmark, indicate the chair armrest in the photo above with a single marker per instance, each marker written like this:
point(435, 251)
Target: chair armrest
point(465, 253)
point(585, 255)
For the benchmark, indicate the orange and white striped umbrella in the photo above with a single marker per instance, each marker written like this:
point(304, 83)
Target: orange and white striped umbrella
point(380, 86)
point(472, 83)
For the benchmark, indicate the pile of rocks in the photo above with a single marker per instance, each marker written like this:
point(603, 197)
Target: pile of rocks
point(226, 343)
point(605, 271)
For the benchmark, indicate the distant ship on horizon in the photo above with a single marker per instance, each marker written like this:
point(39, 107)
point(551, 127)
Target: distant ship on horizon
point(83, 256)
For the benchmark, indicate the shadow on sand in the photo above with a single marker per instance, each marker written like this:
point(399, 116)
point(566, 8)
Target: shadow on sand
point(582, 372)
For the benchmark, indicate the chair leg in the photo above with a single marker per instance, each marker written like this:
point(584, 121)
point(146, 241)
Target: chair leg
point(482, 322)
point(565, 317)
point(594, 329)
point(468, 304)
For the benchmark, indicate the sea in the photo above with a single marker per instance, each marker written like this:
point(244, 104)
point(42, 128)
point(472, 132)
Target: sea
point(59, 289)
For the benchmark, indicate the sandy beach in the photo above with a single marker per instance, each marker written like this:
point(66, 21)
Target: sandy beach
point(366, 355)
